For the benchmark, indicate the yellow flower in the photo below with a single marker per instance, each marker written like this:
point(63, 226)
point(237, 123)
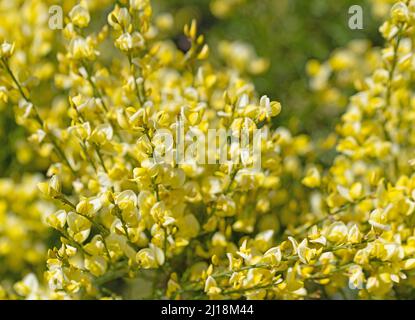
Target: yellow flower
point(79, 16)
point(128, 41)
point(151, 257)
point(79, 227)
point(312, 179)
point(52, 188)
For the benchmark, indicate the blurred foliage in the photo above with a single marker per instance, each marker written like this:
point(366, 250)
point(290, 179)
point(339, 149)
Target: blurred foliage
point(8, 133)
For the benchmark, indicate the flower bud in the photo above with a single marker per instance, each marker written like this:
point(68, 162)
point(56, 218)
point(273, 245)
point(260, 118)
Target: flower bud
point(6, 50)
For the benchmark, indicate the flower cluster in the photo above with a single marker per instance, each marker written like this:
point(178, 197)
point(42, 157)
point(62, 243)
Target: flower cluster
point(129, 219)
point(359, 242)
point(24, 235)
point(122, 212)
